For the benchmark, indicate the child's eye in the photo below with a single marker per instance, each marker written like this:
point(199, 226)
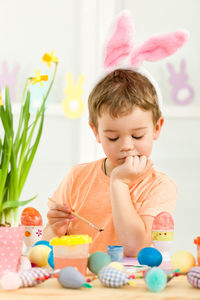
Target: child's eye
point(137, 137)
point(113, 139)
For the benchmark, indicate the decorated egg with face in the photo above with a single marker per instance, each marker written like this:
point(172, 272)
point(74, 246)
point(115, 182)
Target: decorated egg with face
point(163, 231)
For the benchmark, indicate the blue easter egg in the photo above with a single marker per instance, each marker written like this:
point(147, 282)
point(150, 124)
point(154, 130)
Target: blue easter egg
point(149, 256)
point(51, 259)
point(46, 243)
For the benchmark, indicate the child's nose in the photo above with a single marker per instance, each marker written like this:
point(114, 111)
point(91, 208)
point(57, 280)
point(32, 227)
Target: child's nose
point(127, 144)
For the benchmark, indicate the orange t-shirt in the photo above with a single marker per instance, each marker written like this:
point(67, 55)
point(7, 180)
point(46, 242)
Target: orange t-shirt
point(87, 191)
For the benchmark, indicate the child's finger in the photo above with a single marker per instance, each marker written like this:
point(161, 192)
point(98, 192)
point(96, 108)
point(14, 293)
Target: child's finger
point(129, 160)
point(54, 213)
point(149, 163)
point(60, 207)
point(143, 161)
point(59, 228)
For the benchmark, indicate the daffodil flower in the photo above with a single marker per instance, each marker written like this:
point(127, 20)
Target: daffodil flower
point(1, 102)
point(50, 58)
point(38, 78)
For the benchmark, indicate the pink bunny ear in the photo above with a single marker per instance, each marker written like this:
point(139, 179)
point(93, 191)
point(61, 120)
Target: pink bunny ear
point(121, 42)
point(159, 47)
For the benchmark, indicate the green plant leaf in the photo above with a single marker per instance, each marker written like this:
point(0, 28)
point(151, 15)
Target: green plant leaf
point(8, 109)
point(14, 204)
point(5, 166)
point(28, 162)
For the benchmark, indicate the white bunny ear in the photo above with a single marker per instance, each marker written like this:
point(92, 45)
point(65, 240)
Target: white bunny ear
point(159, 47)
point(120, 44)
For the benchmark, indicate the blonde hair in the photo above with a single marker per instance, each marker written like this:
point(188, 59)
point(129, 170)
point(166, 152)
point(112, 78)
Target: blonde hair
point(119, 92)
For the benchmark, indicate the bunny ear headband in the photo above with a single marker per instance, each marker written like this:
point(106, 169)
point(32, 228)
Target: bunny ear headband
point(155, 48)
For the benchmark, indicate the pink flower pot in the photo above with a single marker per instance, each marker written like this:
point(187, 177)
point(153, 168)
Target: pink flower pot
point(11, 243)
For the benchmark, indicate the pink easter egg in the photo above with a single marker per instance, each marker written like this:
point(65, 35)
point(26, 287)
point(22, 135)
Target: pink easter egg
point(163, 221)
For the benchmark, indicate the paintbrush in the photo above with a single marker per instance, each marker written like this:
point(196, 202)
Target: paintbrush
point(81, 218)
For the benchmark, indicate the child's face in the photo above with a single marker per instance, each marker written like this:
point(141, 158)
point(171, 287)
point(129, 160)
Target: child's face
point(130, 135)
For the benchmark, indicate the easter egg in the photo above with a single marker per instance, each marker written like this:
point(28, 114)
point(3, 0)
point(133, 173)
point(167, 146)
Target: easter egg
point(163, 221)
point(38, 255)
point(50, 259)
point(31, 217)
point(117, 265)
point(71, 278)
point(97, 261)
point(155, 279)
point(149, 256)
point(111, 277)
point(42, 242)
point(193, 276)
point(182, 260)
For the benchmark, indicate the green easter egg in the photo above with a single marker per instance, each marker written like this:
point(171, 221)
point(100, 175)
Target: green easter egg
point(97, 261)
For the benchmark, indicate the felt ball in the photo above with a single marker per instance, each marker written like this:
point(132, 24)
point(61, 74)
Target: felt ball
point(10, 281)
point(193, 277)
point(71, 278)
point(97, 261)
point(38, 255)
point(117, 265)
point(155, 279)
point(182, 260)
point(149, 256)
point(111, 277)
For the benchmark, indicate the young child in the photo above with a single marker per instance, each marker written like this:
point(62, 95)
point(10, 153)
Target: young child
point(121, 193)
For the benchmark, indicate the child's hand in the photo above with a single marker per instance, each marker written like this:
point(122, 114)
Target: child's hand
point(59, 217)
point(131, 169)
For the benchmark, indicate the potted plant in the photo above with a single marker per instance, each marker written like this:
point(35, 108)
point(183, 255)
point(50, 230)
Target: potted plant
point(17, 151)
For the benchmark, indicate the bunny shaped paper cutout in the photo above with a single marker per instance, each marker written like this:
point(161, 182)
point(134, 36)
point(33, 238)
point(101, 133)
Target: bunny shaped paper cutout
point(9, 79)
point(155, 48)
point(182, 93)
point(73, 105)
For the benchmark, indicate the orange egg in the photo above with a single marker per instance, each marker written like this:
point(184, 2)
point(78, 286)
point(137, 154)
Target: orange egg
point(31, 217)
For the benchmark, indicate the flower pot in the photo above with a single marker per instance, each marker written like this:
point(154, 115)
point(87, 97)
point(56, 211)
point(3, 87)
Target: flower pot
point(11, 243)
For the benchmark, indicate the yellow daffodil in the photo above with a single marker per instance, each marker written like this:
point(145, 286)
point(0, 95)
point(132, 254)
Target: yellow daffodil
point(50, 58)
point(1, 102)
point(38, 78)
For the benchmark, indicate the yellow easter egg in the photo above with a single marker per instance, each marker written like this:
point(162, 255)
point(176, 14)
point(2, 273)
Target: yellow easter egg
point(38, 255)
point(182, 260)
point(117, 265)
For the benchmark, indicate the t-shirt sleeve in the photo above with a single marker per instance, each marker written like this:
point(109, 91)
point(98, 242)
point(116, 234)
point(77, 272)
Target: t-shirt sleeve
point(63, 191)
point(162, 197)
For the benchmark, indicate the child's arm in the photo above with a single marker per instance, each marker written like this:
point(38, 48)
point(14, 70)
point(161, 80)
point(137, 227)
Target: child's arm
point(133, 231)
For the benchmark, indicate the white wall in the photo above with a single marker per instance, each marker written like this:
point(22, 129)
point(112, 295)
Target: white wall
point(76, 30)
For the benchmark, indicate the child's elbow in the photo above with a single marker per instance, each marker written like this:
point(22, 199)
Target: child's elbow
point(133, 249)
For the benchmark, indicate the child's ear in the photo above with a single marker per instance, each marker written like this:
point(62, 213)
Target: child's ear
point(95, 130)
point(158, 127)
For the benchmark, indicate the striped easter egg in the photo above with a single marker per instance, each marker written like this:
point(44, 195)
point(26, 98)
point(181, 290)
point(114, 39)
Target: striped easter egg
point(193, 277)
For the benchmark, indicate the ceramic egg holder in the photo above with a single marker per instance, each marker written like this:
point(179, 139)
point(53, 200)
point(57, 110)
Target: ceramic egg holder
point(162, 237)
